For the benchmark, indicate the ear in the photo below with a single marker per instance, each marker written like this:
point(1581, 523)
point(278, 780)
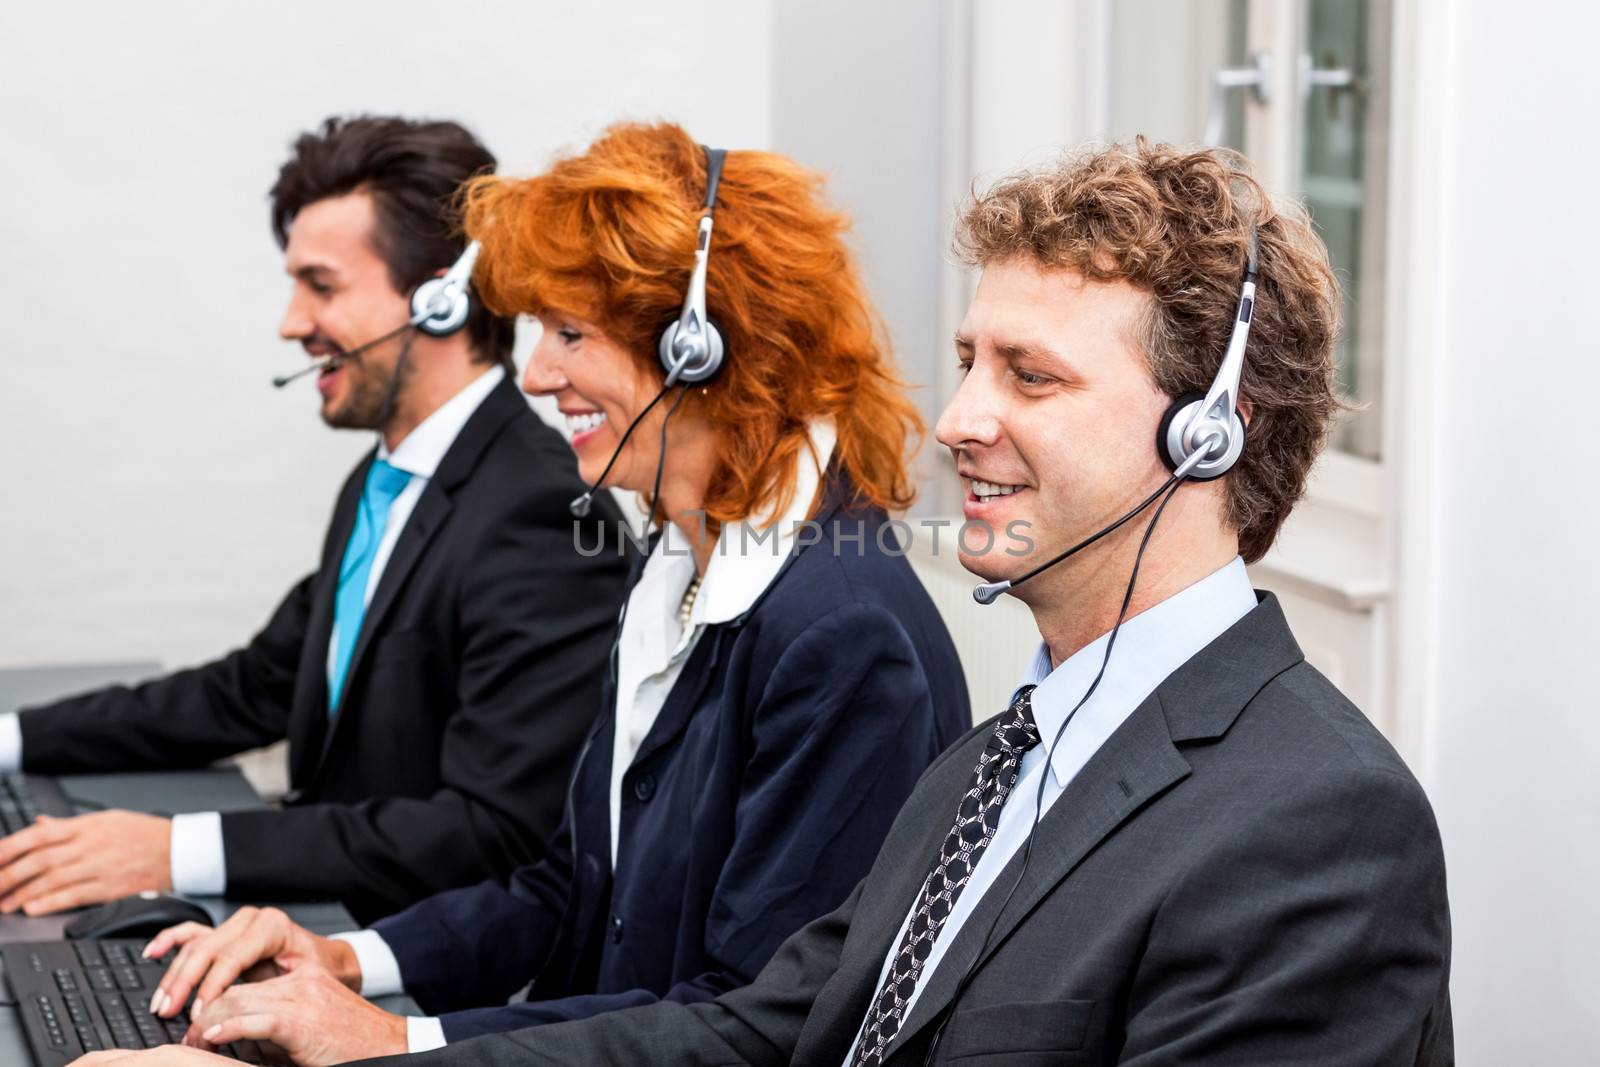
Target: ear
point(1246, 410)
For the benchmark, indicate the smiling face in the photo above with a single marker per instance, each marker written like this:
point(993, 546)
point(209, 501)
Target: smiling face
point(343, 298)
point(1054, 422)
point(600, 388)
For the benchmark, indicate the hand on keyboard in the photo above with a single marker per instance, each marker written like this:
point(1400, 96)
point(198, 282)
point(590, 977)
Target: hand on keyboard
point(57, 864)
point(254, 944)
point(309, 1014)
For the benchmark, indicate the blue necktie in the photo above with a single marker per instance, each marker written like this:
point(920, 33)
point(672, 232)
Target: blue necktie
point(384, 484)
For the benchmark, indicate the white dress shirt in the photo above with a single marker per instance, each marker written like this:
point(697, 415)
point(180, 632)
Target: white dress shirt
point(651, 652)
point(198, 867)
point(653, 646)
point(1150, 646)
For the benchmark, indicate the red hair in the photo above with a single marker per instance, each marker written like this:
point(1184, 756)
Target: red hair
point(609, 236)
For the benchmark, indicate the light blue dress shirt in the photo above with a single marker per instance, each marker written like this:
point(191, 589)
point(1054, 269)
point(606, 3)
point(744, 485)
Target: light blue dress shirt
point(1149, 647)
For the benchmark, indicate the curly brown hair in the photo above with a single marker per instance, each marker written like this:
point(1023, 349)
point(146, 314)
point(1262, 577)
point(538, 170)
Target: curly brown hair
point(609, 235)
point(1176, 224)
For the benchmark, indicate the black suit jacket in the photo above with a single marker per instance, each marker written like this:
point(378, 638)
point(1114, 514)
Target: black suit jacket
point(475, 677)
point(1244, 874)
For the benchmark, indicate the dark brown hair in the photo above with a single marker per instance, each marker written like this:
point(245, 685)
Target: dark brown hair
point(413, 171)
point(609, 235)
point(1176, 224)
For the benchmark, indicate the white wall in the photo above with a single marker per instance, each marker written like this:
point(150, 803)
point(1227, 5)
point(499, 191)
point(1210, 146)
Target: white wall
point(860, 98)
point(159, 495)
point(1513, 764)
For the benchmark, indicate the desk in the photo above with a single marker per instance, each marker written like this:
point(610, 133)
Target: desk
point(173, 792)
point(23, 687)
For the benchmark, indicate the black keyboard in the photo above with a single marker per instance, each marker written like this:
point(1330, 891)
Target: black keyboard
point(84, 996)
point(25, 796)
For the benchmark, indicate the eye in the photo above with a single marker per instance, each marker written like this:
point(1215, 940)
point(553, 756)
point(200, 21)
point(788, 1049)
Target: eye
point(320, 288)
point(964, 366)
point(569, 336)
point(1029, 379)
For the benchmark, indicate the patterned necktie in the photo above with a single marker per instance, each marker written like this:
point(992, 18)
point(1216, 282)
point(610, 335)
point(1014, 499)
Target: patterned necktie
point(964, 845)
point(384, 484)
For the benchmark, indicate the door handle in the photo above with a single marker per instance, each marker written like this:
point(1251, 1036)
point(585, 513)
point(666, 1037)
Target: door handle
point(1339, 81)
point(1256, 78)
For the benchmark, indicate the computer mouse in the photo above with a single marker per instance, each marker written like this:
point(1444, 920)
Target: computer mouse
point(144, 915)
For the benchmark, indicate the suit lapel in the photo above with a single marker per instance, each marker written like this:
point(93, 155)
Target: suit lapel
point(426, 518)
point(1138, 763)
point(433, 508)
point(684, 699)
point(697, 673)
point(842, 1002)
point(308, 722)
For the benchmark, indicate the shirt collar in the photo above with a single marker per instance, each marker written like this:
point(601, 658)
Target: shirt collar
point(741, 567)
point(651, 637)
point(421, 451)
point(1150, 646)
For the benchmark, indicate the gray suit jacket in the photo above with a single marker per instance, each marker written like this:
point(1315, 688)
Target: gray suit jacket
point(1246, 873)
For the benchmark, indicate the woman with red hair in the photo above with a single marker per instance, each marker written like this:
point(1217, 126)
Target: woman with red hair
point(781, 679)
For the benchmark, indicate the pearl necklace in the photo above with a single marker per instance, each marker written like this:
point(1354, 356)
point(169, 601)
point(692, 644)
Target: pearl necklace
point(686, 606)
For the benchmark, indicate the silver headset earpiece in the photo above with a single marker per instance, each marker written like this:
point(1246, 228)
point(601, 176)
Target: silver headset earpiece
point(691, 347)
point(1212, 422)
point(440, 306)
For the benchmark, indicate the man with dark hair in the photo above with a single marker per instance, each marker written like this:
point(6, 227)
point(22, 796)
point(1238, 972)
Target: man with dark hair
point(412, 172)
point(435, 676)
point(1178, 843)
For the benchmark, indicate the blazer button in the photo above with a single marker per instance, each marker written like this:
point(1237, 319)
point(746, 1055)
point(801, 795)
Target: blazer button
point(644, 788)
point(616, 929)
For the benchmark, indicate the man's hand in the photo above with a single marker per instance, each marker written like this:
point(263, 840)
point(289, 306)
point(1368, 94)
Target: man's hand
point(254, 944)
point(312, 1016)
point(165, 1056)
point(57, 864)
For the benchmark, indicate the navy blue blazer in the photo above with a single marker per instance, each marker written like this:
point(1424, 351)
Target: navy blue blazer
point(756, 802)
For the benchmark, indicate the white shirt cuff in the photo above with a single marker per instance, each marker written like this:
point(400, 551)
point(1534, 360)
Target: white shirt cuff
point(380, 971)
point(198, 867)
point(10, 743)
point(424, 1034)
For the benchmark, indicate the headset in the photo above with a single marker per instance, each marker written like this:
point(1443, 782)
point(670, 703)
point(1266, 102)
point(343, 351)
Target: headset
point(1200, 438)
point(439, 307)
point(690, 348)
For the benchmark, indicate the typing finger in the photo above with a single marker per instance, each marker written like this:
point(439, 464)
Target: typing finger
point(195, 961)
point(173, 937)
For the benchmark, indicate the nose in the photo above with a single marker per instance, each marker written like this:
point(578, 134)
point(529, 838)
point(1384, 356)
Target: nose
point(297, 323)
point(972, 419)
point(544, 375)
